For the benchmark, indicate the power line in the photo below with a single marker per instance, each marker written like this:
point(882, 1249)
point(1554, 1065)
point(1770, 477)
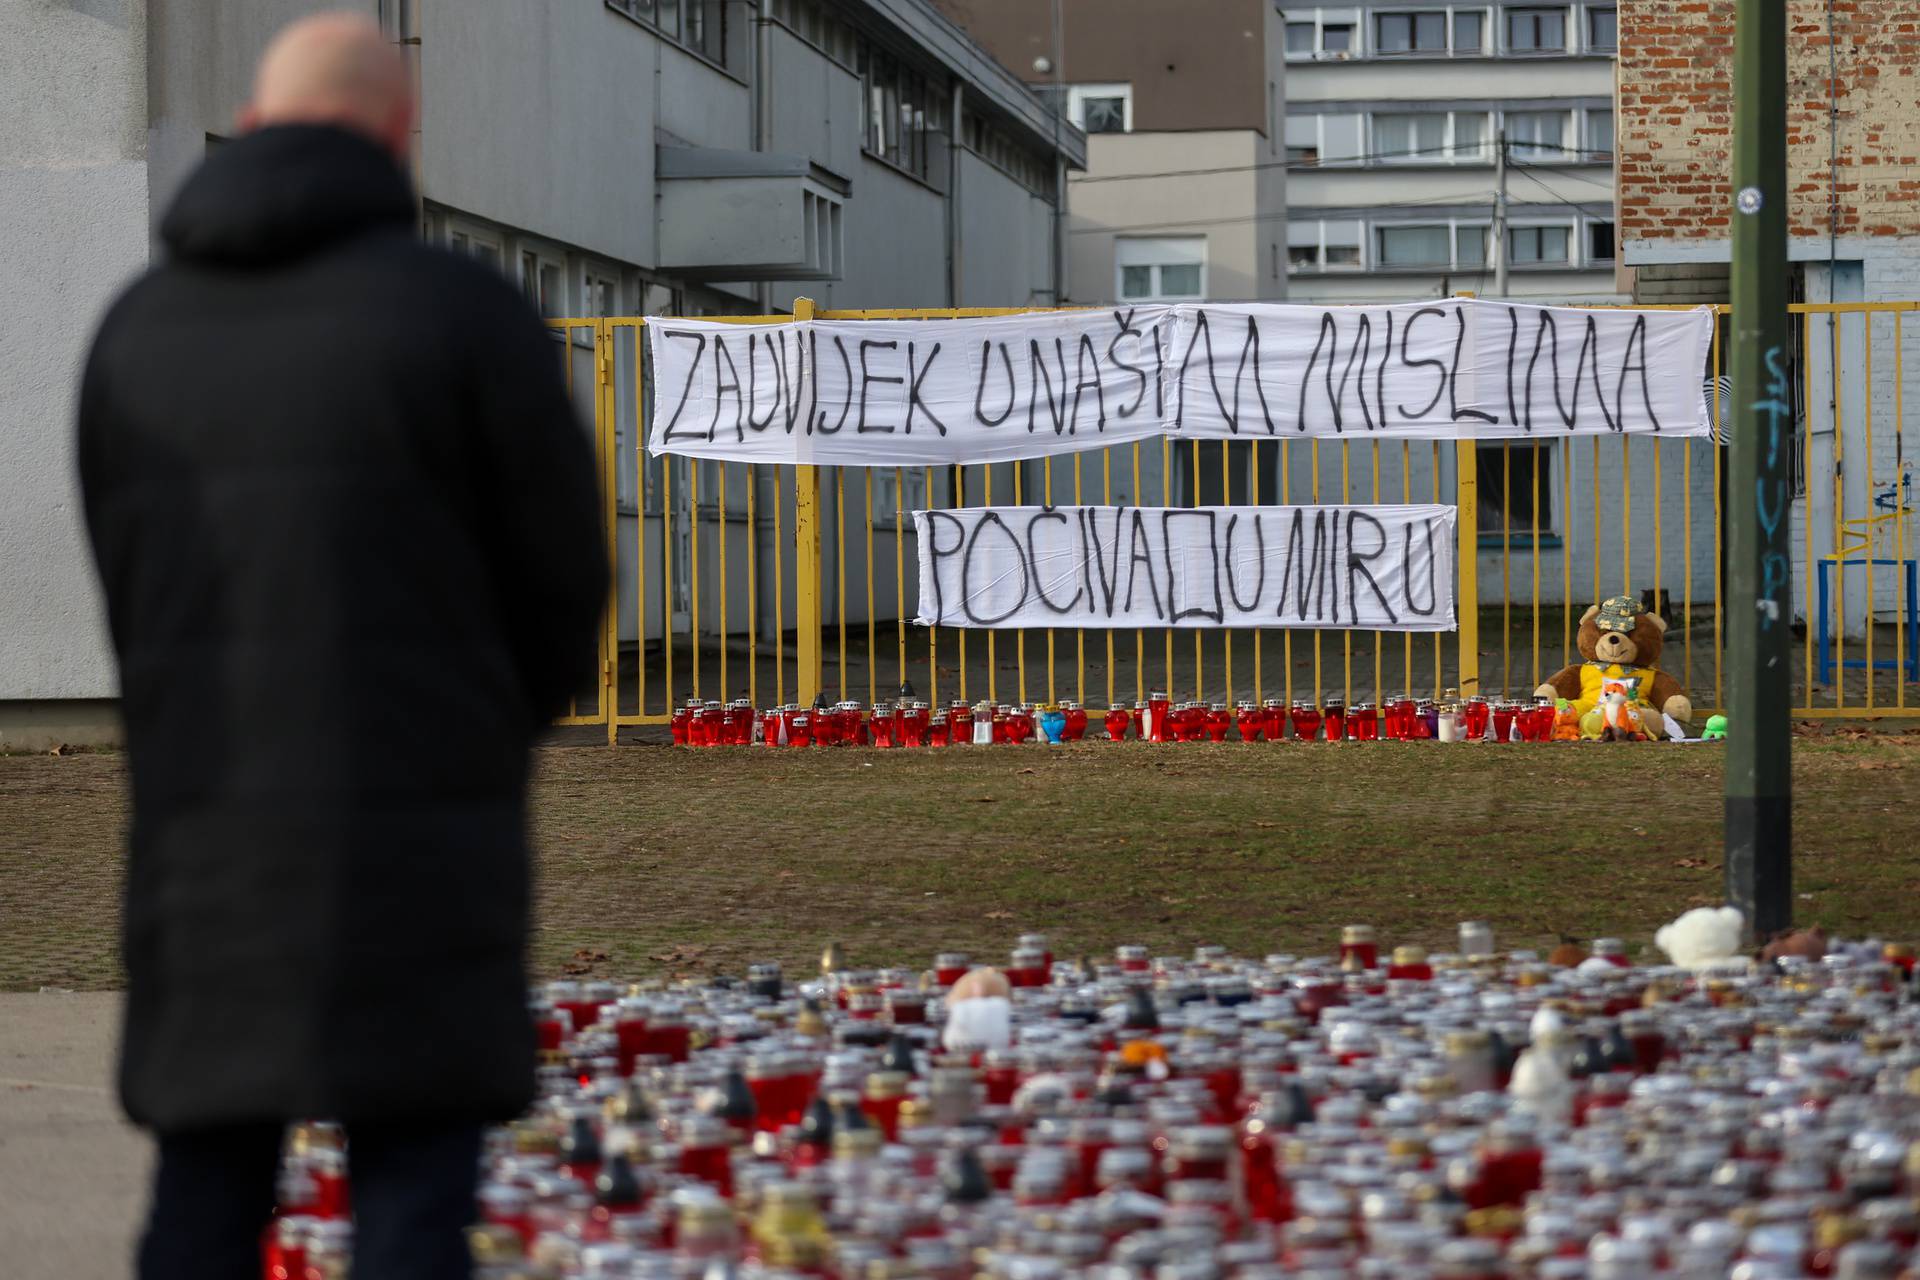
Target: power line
point(1571, 177)
point(1551, 194)
point(1293, 215)
point(1329, 162)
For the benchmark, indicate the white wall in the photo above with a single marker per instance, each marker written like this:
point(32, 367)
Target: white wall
point(73, 202)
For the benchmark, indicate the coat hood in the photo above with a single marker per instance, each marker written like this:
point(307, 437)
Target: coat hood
point(285, 192)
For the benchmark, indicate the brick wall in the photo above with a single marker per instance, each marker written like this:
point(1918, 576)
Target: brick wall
point(1675, 118)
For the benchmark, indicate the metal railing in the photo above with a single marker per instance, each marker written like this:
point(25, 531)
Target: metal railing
point(776, 583)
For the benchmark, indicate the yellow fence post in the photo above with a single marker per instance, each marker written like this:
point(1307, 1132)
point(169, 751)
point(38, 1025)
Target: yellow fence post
point(807, 620)
point(1467, 500)
point(604, 409)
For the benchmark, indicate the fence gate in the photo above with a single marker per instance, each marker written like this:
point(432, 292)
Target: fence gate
point(778, 583)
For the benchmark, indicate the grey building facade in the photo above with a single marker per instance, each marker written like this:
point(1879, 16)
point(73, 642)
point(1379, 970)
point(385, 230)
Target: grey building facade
point(613, 157)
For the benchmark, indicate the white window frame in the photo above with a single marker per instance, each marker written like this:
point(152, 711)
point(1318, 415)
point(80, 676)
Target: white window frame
point(1454, 265)
point(1571, 18)
point(1586, 242)
point(1449, 152)
point(546, 258)
point(1586, 29)
point(1445, 51)
point(1077, 95)
point(590, 273)
point(1356, 47)
point(1573, 227)
point(1569, 152)
point(1588, 152)
point(466, 237)
point(1319, 245)
point(1157, 294)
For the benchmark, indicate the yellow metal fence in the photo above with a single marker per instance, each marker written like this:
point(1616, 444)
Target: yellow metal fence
point(778, 583)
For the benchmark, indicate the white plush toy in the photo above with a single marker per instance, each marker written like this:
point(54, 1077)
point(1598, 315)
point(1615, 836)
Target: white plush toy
point(1703, 938)
point(979, 1013)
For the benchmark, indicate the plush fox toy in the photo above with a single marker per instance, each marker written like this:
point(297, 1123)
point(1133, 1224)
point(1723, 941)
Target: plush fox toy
point(1619, 722)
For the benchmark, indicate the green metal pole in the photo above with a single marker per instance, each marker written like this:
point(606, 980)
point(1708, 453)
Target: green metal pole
point(1759, 843)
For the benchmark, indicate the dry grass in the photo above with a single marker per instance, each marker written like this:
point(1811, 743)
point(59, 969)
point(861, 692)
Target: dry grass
point(660, 860)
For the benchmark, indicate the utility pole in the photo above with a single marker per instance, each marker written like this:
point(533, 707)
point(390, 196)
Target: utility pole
point(1059, 165)
point(1499, 246)
point(1759, 784)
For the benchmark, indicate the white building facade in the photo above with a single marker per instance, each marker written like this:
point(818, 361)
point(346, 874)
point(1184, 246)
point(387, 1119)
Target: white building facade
point(1396, 114)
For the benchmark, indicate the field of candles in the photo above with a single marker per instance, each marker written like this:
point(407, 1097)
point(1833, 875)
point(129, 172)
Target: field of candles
point(655, 860)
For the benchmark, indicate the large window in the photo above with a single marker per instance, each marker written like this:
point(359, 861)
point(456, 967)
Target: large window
point(1031, 169)
point(1336, 37)
point(1531, 245)
point(1301, 37)
point(1537, 135)
point(1412, 138)
point(1430, 137)
point(1536, 30)
point(1161, 269)
point(1424, 32)
point(1470, 245)
point(814, 23)
point(903, 115)
point(1603, 30)
point(703, 26)
point(1412, 246)
point(1314, 245)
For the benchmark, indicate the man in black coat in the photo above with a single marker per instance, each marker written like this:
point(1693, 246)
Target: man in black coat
point(346, 523)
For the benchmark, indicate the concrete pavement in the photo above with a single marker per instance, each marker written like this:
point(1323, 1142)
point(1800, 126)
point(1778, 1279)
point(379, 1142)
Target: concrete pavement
point(72, 1171)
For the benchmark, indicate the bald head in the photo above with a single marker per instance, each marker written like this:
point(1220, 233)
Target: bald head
point(338, 69)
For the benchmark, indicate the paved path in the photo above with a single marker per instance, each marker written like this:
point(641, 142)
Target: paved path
point(72, 1171)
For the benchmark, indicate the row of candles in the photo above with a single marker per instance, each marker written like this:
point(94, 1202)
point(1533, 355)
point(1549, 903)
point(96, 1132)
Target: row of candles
point(1483, 1114)
point(911, 722)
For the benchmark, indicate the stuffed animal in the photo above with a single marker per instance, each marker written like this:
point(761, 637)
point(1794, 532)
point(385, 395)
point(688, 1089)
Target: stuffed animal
point(1621, 643)
point(1566, 722)
point(1618, 719)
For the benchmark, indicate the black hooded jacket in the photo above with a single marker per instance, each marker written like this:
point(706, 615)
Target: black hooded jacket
point(346, 525)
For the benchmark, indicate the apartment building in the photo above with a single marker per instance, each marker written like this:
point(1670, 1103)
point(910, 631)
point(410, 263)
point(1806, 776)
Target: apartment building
point(1397, 117)
point(1183, 196)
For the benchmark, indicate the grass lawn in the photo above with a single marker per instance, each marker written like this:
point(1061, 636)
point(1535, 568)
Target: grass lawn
point(656, 861)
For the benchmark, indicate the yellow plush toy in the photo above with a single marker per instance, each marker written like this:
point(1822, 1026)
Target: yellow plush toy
point(1621, 643)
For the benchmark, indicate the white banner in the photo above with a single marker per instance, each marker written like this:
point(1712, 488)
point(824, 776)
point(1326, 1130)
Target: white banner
point(892, 393)
point(1373, 567)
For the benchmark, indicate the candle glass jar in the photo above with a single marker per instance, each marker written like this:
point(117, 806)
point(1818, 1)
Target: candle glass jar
point(1475, 716)
point(913, 724)
point(1503, 715)
point(1076, 728)
point(1306, 721)
point(1159, 707)
point(1117, 721)
point(1218, 722)
point(800, 729)
point(1273, 719)
point(959, 723)
point(937, 730)
point(1363, 723)
point(1334, 717)
point(1251, 721)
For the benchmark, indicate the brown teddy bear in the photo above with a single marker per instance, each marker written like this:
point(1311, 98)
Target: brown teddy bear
point(1621, 642)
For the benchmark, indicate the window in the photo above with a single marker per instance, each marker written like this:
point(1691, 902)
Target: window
point(1031, 169)
point(902, 114)
point(1537, 30)
point(1468, 33)
point(1165, 268)
point(1305, 157)
point(1101, 108)
point(1600, 242)
point(1505, 477)
point(1336, 37)
point(1410, 139)
point(1314, 244)
point(1410, 32)
point(1603, 30)
point(1536, 245)
point(540, 280)
point(1537, 135)
point(1412, 246)
point(1300, 37)
point(701, 26)
point(810, 20)
point(1470, 138)
point(480, 245)
point(1600, 133)
point(1470, 246)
